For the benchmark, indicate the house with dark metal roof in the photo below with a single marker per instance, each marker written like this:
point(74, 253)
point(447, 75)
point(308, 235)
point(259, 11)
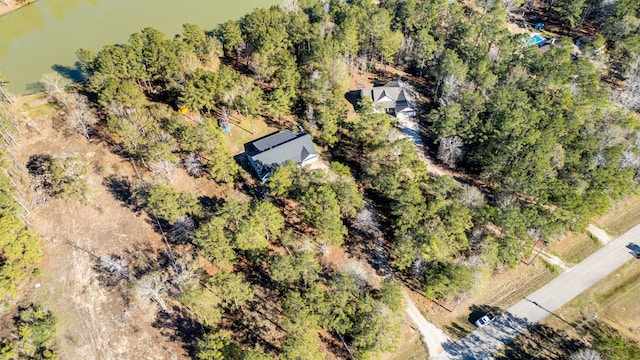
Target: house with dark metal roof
point(395, 98)
point(270, 152)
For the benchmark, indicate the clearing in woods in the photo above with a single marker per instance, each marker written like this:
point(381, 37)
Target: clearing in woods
point(97, 316)
point(97, 319)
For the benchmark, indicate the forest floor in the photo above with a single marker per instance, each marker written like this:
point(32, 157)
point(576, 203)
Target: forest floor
point(97, 319)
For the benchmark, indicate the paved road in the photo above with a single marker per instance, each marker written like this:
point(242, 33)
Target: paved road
point(482, 343)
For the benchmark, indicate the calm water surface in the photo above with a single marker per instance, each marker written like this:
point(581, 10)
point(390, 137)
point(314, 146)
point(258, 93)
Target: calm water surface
point(44, 36)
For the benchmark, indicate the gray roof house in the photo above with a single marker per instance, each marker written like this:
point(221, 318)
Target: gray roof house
point(270, 152)
point(395, 98)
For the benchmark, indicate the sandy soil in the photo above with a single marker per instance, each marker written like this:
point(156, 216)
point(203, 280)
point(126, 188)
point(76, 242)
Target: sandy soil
point(96, 318)
point(12, 5)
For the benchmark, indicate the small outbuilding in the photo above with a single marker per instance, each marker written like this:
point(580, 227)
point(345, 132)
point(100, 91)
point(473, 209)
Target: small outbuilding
point(270, 152)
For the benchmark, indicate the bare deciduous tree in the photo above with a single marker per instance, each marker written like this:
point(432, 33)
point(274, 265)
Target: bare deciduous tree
point(115, 265)
point(193, 165)
point(356, 270)
point(185, 274)
point(310, 115)
point(629, 160)
point(450, 150)
point(451, 90)
point(599, 159)
point(471, 196)
point(80, 116)
point(629, 96)
point(163, 168)
point(54, 87)
point(289, 6)
point(4, 94)
point(225, 119)
point(324, 249)
point(510, 5)
point(151, 288)
point(182, 229)
point(419, 267)
point(586, 354)
point(557, 157)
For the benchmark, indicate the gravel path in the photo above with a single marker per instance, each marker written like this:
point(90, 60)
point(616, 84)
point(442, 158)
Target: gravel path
point(410, 129)
point(554, 260)
point(599, 234)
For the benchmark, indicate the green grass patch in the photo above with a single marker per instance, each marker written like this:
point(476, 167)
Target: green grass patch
point(575, 247)
point(244, 130)
point(552, 268)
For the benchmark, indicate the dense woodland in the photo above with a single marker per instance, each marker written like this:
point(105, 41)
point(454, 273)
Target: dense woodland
point(545, 141)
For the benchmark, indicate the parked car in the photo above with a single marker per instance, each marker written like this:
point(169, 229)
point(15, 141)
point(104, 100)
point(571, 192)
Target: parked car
point(484, 320)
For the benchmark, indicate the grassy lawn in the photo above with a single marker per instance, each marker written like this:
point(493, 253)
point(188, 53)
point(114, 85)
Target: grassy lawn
point(497, 293)
point(574, 247)
point(622, 218)
point(241, 132)
point(614, 299)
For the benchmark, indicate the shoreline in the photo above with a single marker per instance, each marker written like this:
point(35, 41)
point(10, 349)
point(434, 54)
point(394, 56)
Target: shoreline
point(5, 10)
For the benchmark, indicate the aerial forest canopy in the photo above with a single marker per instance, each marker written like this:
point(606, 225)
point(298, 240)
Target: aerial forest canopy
point(542, 140)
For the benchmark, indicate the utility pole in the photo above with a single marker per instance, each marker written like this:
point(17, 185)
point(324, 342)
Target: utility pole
point(593, 316)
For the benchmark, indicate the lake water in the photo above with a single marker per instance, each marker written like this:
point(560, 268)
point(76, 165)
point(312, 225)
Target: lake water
point(44, 36)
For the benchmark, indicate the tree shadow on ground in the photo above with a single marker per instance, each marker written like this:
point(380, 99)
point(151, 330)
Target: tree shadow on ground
point(142, 261)
point(249, 328)
point(120, 188)
point(478, 311)
point(334, 346)
point(209, 203)
point(177, 325)
point(257, 322)
point(113, 271)
point(37, 166)
point(541, 342)
point(34, 87)
point(353, 97)
point(482, 343)
point(457, 330)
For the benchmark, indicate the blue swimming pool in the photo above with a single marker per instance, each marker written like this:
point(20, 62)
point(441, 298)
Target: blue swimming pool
point(537, 39)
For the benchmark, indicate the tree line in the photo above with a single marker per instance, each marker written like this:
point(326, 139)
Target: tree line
point(538, 131)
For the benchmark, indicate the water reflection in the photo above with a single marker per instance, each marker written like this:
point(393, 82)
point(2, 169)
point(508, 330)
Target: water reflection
point(59, 8)
point(16, 24)
point(44, 36)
